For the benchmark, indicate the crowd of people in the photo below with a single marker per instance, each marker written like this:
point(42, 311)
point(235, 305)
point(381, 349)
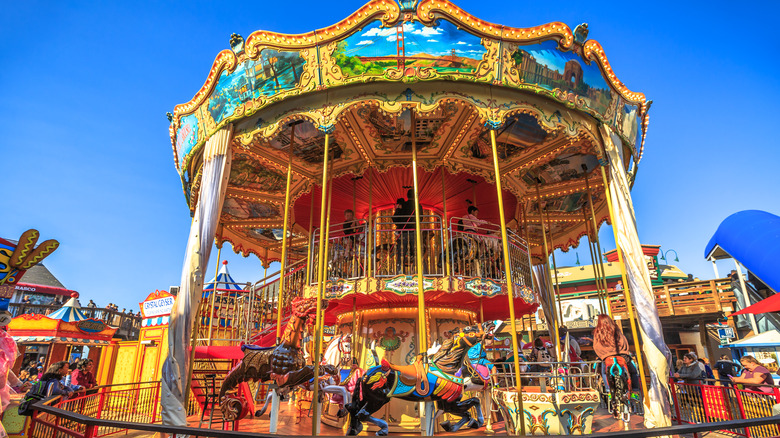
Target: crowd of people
point(77, 376)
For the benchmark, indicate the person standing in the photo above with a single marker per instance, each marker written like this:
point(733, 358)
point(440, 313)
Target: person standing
point(82, 375)
point(692, 371)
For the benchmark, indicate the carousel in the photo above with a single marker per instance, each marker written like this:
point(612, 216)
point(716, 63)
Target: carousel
point(412, 168)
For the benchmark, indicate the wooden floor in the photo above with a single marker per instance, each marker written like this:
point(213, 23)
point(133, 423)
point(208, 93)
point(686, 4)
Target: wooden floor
point(291, 423)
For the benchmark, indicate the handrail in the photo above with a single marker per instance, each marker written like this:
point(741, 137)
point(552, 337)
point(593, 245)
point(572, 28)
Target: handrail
point(174, 431)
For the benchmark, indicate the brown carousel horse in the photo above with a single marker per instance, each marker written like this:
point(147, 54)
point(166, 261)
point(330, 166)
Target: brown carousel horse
point(440, 381)
point(283, 364)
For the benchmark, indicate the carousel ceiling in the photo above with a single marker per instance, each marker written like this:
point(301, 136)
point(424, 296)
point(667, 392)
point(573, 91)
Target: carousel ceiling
point(390, 76)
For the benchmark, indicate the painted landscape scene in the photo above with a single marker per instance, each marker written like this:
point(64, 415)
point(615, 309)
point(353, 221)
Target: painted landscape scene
point(443, 47)
point(546, 66)
point(273, 72)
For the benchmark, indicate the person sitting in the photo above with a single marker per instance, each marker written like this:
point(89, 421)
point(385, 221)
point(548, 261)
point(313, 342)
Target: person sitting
point(540, 356)
point(471, 222)
point(611, 346)
point(754, 375)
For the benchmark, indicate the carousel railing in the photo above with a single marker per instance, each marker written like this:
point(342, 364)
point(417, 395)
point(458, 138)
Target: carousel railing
point(395, 249)
point(547, 376)
point(721, 401)
point(476, 251)
point(347, 255)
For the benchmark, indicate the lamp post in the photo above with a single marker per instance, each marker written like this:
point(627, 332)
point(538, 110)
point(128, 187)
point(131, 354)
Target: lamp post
point(663, 255)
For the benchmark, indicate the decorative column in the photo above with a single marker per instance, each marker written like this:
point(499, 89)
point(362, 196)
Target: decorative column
point(176, 368)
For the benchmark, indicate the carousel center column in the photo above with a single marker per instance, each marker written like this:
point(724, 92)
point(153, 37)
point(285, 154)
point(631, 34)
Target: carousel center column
point(216, 170)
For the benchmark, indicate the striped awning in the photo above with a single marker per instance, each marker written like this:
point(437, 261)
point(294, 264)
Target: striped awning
point(224, 281)
point(57, 340)
point(152, 322)
point(70, 312)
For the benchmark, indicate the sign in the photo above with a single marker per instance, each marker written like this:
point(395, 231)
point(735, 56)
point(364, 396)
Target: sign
point(482, 287)
point(159, 303)
point(725, 334)
point(407, 284)
point(6, 291)
point(91, 326)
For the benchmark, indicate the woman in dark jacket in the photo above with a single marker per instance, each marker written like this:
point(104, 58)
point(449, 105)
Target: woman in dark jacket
point(52, 377)
point(692, 370)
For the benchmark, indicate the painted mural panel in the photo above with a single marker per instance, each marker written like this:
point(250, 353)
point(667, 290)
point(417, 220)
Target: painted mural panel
point(186, 137)
point(520, 132)
point(629, 124)
point(564, 167)
point(309, 143)
point(275, 71)
point(443, 47)
point(393, 132)
point(547, 67)
point(244, 209)
point(249, 173)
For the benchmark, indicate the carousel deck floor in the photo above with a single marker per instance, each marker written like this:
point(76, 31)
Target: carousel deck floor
point(291, 423)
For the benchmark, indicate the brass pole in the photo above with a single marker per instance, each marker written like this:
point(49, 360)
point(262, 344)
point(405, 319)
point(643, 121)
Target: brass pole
point(629, 305)
point(509, 284)
point(596, 278)
point(557, 285)
point(310, 248)
point(213, 294)
point(369, 229)
point(597, 244)
point(598, 252)
point(320, 286)
point(422, 338)
point(445, 225)
point(422, 343)
point(284, 234)
point(550, 290)
point(264, 298)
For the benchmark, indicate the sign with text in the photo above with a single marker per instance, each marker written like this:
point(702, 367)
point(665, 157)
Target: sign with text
point(91, 326)
point(159, 303)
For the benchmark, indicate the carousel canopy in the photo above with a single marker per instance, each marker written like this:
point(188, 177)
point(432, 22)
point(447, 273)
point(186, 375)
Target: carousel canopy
point(393, 75)
point(753, 238)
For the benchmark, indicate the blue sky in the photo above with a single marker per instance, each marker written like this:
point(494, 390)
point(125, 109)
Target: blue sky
point(85, 86)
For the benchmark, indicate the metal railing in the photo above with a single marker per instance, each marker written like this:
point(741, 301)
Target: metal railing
point(548, 376)
point(395, 250)
point(129, 326)
point(476, 251)
point(131, 402)
point(347, 253)
point(715, 402)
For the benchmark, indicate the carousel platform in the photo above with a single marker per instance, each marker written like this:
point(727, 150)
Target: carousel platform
point(294, 422)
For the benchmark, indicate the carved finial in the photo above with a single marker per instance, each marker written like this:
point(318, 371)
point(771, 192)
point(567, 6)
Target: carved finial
point(581, 33)
point(237, 42)
point(407, 5)
point(170, 117)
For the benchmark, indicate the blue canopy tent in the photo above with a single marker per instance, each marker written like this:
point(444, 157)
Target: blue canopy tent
point(227, 291)
point(751, 237)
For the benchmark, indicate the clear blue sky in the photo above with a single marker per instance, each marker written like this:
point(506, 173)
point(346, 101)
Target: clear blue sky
point(84, 88)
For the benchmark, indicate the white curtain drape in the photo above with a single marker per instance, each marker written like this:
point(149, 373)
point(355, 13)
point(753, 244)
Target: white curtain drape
point(653, 344)
point(175, 371)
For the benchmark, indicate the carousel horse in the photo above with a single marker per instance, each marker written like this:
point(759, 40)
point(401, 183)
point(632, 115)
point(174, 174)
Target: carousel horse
point(283, 364)
point(336, 354)
point(439, 381)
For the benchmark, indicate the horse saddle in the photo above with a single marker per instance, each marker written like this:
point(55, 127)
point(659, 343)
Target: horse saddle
point(414, 375)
